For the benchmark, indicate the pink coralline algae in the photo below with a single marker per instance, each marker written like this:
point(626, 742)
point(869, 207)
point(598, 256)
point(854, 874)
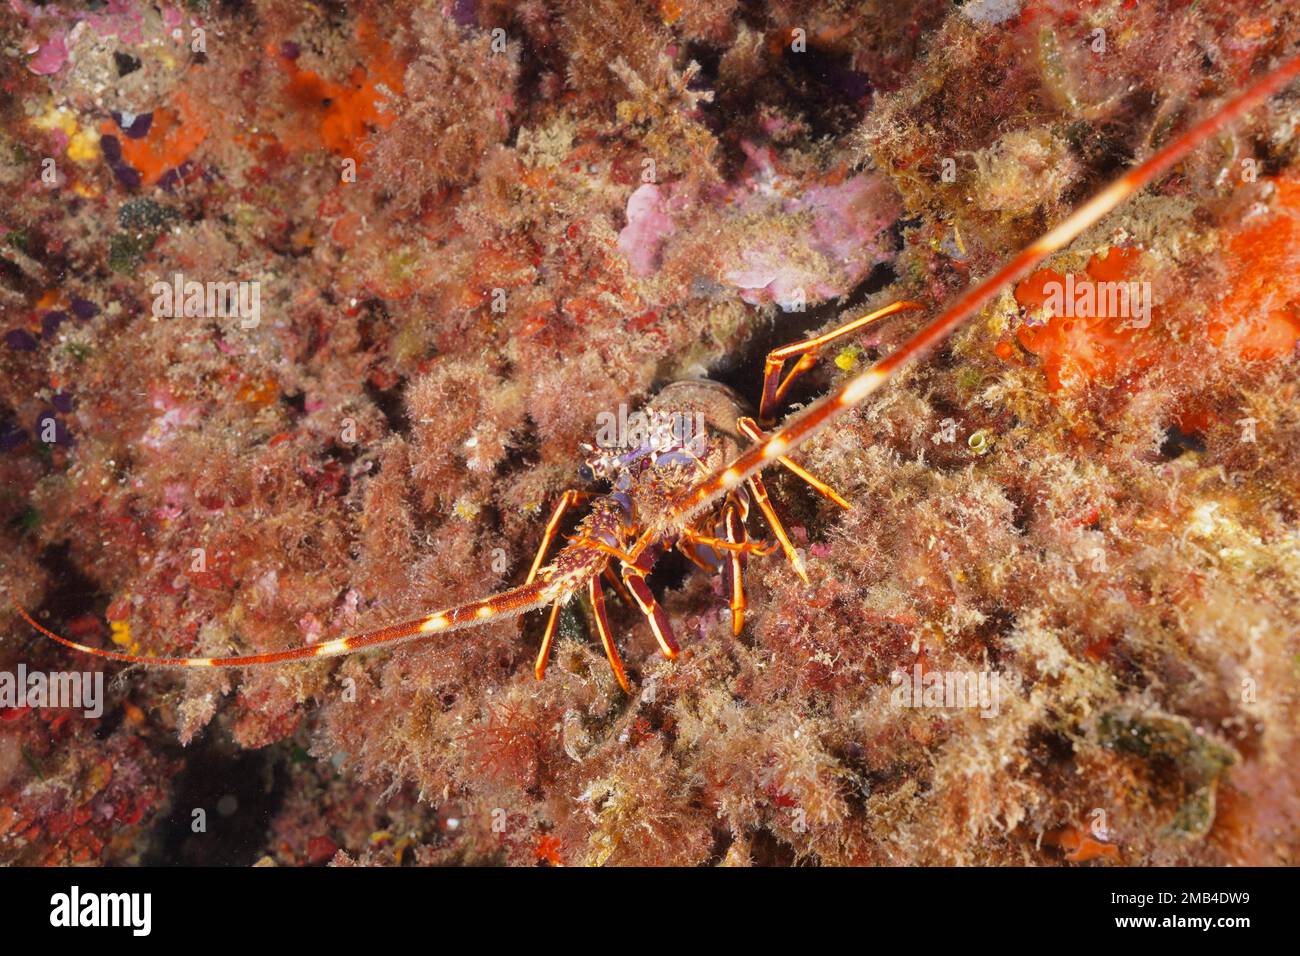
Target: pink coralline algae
point(50, 45)
point(839, 227)
point(50, 56)
point(648, 225)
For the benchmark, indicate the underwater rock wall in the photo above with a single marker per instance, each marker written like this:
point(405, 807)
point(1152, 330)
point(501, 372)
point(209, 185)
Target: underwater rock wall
point(453, 234)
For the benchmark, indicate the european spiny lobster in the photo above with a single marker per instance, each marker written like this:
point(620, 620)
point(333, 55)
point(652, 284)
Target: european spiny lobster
point(660, 493)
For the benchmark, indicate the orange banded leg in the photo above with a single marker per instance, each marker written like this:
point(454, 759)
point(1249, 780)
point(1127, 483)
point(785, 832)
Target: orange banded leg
point(617, 584)
point(684, 545)
point(774, 387)
point(597, 598)
point(567, 500)
point(734, 526)
point(634, 578)
point(548, 636)
point(759, 491)
point(749, 428)
point(609, 549)
point(723, 546)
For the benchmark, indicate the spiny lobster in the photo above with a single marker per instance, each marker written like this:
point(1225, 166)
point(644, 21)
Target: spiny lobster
point(659, 491)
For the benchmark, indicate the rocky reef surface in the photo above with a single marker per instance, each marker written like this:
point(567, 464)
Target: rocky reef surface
point(456, 233)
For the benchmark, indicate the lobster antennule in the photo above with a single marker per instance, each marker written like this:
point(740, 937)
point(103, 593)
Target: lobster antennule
point(506, 604)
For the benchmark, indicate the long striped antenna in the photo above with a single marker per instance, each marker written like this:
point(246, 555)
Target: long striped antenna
point(506, 604)
point(796, 429)
point(801, 426)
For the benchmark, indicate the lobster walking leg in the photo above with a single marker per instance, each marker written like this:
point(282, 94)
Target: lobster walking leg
point(567, 500)
point(617, 584)
point(634, 578)
point(749, 428)
point(597, 598)
point(686, 546)
point(759, 491)
point(548, 637)
point(774, 387)
point(734, 568)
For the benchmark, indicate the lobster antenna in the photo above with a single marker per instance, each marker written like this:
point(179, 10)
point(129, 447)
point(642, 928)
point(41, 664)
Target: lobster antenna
point(802, 425)
point(506, 604)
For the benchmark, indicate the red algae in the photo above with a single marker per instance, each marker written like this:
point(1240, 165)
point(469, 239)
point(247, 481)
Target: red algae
point(1100, 343)
point(1259, 317)
point(345, 112)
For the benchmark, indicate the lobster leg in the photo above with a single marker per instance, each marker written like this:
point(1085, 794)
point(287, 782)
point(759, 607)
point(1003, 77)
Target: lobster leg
point(723, 546)
point(548, 637)
point(567, 500)
point(617, 584)
point(634, 578)
point(597, 598)
point(734, 569)
point(749, 428)
point(774, 387)
point(759, 491)
point(685, 546)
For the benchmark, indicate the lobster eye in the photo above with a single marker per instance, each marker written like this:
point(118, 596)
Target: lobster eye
point(585, 473)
